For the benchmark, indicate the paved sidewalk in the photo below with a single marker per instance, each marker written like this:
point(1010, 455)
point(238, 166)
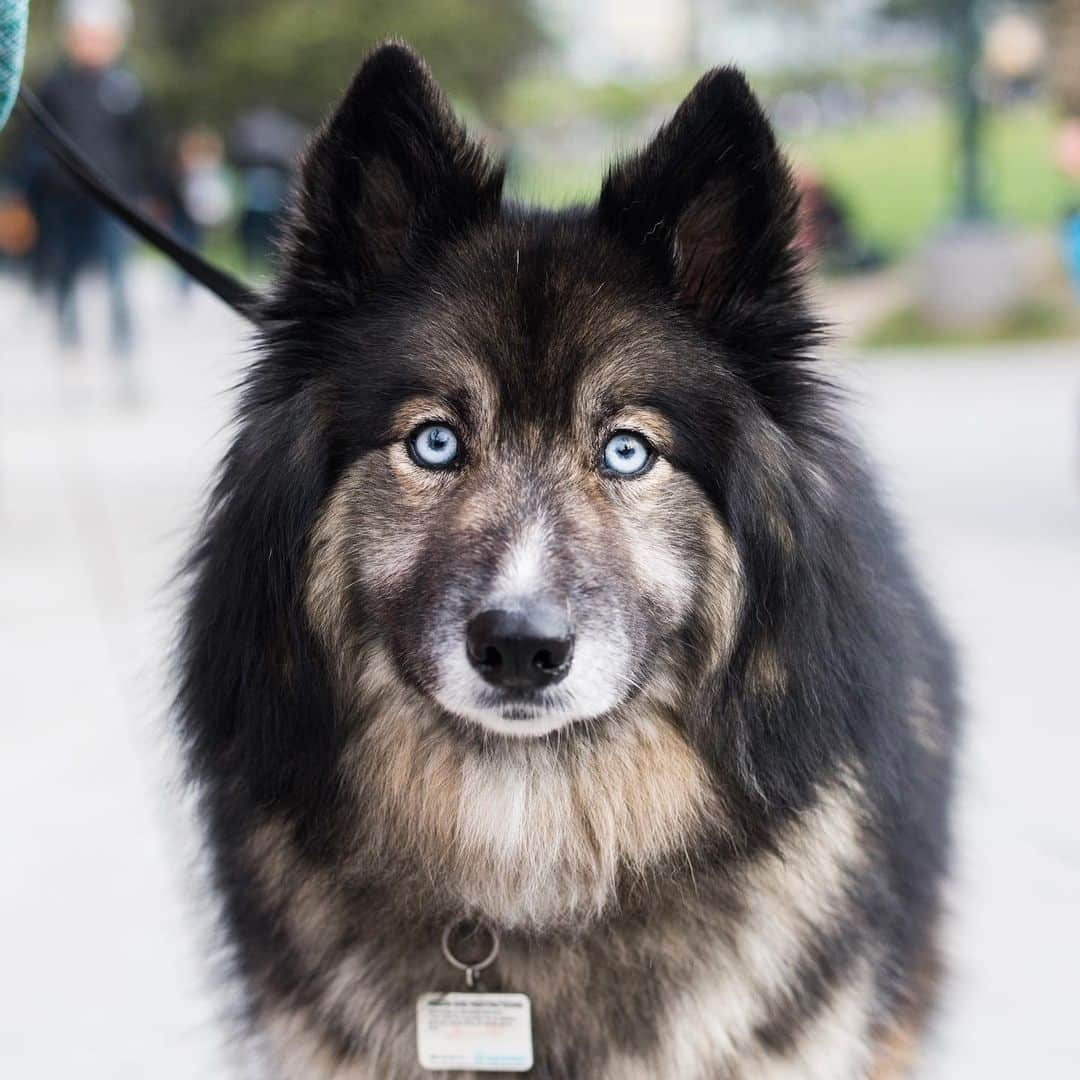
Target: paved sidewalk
point(103, 947)
point(103, 952)
point(982, 453)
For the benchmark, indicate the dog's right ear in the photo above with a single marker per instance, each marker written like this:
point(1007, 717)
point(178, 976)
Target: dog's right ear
point(388, 178)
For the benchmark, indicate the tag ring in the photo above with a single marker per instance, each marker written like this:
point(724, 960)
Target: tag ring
point(469, 969)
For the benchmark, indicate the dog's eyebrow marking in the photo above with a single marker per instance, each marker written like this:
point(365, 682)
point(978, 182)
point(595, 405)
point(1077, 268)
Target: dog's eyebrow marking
point(648, 421)
point(419, 410)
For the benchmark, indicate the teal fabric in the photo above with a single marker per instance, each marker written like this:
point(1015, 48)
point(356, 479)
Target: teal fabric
point(13, 18)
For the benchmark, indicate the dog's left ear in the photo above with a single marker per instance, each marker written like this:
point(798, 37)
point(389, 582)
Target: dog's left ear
point(711, 200)
point(389, 178)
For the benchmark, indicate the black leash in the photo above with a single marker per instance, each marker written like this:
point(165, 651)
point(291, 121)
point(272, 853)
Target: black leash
point(228, 288)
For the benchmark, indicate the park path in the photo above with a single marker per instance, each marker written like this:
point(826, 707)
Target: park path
point(101, 937)
point(981, 450)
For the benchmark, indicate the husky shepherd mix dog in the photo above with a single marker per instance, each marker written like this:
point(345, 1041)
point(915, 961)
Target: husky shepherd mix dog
point(542, 587)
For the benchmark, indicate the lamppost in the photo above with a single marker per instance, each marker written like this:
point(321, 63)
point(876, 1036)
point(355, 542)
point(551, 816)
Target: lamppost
point(975, 271)
point(962, 25)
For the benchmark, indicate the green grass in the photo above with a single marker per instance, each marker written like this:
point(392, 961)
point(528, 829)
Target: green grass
point(896, 177)
point(555, 185)
point(223, 249)
point(1033, 321)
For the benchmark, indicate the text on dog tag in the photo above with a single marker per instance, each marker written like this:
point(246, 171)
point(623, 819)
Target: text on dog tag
point(474, 1031)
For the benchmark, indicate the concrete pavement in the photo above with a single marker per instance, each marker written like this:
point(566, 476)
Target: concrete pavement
point(103, 940)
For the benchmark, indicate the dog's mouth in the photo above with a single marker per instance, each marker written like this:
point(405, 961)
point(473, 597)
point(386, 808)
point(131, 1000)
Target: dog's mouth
point(517, 713)
point(518, 705)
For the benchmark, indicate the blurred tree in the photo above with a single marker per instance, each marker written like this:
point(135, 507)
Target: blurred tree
point(959, 22)
point(959, 18)
point(300, 56)
point(962, 27)
point(207, 59)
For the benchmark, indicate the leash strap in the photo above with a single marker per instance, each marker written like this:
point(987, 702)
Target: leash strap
point(228, 288)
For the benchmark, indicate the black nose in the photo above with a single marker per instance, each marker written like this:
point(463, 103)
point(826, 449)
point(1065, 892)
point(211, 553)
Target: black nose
point(523, 649)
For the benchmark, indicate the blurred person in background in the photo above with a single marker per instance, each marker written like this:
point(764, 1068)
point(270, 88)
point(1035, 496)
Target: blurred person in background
point(200, 195)
point(18, 228)
point(1071, 240)
point(826, 232)
point(263, 147)
point(101, 106)
point(1068, 157)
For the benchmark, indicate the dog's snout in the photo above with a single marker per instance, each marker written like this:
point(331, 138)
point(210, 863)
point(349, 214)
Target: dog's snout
point(522, 649)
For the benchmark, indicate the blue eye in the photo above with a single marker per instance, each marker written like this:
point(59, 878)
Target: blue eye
point(627, 454)
point(434, 446)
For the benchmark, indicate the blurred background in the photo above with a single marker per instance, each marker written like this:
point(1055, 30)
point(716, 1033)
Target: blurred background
point(937, 145)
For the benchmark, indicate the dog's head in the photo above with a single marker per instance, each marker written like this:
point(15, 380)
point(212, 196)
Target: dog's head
point(528, 417)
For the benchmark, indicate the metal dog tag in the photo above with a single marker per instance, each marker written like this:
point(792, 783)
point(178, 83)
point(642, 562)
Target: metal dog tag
point(474, 1031)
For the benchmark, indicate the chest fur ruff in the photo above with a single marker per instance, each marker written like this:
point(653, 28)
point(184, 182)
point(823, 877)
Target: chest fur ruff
point(527, 835)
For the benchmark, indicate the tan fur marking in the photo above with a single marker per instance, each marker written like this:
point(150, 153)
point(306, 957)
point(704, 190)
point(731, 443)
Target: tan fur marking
point(344, 529)
point(303, 899)
point(333, 542)
point(621, 346)
point(787, 896)
point(647, 508)
point(898, 1051)
point(776, 459)
point(650, 422)
point(462, 375)
point(530, 835)
point(781, 529)
point(297, 1052)
point(722, 587)
point(327, 580)
point(835, 1046)
point(420, 410)
point(765, 672)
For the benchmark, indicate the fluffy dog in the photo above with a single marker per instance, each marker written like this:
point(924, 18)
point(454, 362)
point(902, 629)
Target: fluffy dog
point(543, 587)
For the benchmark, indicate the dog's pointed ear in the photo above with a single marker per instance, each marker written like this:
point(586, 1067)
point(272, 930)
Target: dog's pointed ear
point(389, 177)
point(711, 200)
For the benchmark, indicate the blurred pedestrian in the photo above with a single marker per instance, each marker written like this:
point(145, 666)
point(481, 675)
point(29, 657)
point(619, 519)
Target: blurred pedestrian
point(200, 195)
point(18, 229)
point(1068, 159)
point(826, 232)
point(1070, 237)
point(263, 146)
point(100, 104)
